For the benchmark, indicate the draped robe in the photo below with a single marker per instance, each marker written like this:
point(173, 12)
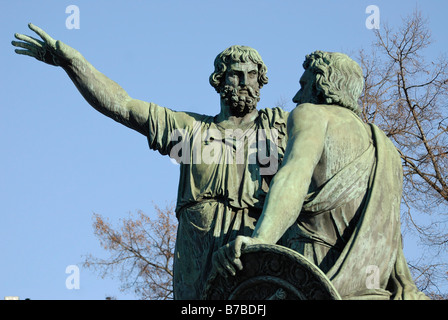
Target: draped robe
point(220, 194)
point(350, 227)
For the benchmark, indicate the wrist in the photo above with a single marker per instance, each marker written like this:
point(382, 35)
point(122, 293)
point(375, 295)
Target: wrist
point(72, 60)
point(67, 56)
point(261, 236)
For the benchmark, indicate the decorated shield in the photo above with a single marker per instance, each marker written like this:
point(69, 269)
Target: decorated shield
point(272, 272)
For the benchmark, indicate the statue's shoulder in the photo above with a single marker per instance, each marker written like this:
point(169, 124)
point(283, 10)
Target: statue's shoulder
point(311, 108)
point(309, 112)
point(323, 112)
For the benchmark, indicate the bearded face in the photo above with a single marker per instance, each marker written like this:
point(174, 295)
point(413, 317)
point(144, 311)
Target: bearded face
point(307, 92)
point(241, 91)
point(240, 100)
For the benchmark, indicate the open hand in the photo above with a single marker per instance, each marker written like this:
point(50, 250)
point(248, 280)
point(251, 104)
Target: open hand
point(49, 50)
point(226, 261)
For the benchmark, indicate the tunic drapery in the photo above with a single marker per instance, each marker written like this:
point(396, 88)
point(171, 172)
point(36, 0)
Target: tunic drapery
point(224, 177)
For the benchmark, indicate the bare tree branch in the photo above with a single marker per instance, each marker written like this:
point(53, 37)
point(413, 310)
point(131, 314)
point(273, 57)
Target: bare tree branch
point(142, 248)
point(407, 98)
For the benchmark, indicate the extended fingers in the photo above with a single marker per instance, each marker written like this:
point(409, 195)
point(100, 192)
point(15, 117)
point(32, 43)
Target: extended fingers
point(41, 33)
point(30, 44)
point(31, 49)
point(28, 39)
point(25, 52)
point(24, 45)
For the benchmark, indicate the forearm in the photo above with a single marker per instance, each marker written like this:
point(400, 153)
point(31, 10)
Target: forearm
point(100, 92)
point(105, 95)
point(283, 204)
point(307, 127)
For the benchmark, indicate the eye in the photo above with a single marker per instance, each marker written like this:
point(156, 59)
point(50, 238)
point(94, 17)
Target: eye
point(253, 74)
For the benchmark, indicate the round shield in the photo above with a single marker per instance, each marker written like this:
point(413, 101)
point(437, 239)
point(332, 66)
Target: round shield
point(272, 272)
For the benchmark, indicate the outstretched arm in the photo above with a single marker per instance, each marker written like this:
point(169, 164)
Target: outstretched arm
point(100, 92)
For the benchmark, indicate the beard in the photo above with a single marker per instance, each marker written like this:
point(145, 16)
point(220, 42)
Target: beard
point(240, 104)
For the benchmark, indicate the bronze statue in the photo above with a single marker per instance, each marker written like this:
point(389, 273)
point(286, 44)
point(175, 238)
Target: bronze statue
point(336, 198)
point(331, 212)
point(223, 176)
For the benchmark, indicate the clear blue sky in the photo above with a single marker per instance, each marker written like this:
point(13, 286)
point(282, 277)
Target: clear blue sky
point(61, 160)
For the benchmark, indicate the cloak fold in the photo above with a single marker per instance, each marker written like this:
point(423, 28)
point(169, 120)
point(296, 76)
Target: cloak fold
point(371, 265)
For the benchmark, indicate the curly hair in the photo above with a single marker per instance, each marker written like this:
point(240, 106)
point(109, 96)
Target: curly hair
point(233, 54)
point(339, 79)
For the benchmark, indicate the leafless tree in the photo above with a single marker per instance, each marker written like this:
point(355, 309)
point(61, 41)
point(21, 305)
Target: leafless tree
point(141, 252)
point(406, 94)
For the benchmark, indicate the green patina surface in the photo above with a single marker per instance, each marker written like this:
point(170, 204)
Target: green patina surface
point(335, 198)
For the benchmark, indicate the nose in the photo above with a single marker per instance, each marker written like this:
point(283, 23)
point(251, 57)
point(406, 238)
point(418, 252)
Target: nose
point(296, 98)
point(243, 79)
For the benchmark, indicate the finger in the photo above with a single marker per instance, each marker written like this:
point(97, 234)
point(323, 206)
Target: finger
point(25, 52)
point(240, 244)
point(29, 39)
point(232, 259)
point(237, 247)
point(218, 265)
point(228, 268)
point(41, 33)
point(24, 45)
point(235, 261)
point(225, 264)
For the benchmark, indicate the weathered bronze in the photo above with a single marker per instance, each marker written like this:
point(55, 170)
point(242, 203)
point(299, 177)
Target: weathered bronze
point(272, 272)
point(331, 216)
point(336, 198)
point(224, 178)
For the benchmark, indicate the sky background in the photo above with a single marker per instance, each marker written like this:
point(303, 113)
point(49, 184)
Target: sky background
point(61, 160)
